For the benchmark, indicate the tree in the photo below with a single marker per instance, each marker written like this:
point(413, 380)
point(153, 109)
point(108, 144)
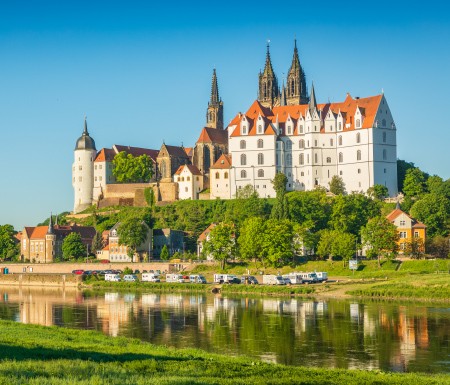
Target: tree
point(378, 191)
point(433, 210)
point(165, 255)
point(97, 242)
point(73, 247)
point(337, 185)
point(277, 241)
point(324, 247)
point(311, 209)
point(439, 247)
point(8, 247)
point(281, 208)
point(250, 239)
point(402, 167)
point(221, 243)
point(132, 233)
point(304, 240)
point(130, 169)
point(337, 244)
point(149, 196)
point(414, 183)
point(379, 237)
point(414, 247)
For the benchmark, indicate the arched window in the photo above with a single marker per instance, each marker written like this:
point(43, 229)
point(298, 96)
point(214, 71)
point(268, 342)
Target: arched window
point(301, 143)
point(328, 160)
point(384, 137)
point(358, 155)
point(260, 173)
point(341, 157)
point(383, 123)
point(217, 175)
point(358, 123)
point(302, 159)
point(243, 159)
point(260, 143)
point(301, 128)
point(260, 158)
point(182, 178)
point(384, 154)
point(331, 142)
point(243, 145)
point(289, 160)
point(292, 87)
point(358, 138)
point(188, 178)
point(243, 174)
point(225, 176)
point(340, 140)
point(288, 145)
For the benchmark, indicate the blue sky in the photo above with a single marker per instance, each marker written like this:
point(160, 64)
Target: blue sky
point(141, 72)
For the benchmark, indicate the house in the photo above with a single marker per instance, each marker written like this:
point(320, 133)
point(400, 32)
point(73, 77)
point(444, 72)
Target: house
point(190, 181)
point(408, 229)
point(202, 238)
point(220, 178)
point(119, 253)
point(173, 239)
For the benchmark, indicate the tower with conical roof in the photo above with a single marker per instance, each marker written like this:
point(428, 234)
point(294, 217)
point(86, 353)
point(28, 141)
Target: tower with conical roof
point(296, 92)
point(83, 171)
point(312, 100)
point(269, 93)
point(50, 242)
point(214, 113)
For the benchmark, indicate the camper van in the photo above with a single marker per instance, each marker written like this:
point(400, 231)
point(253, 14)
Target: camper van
point(174, 278)
point(197, 278)
point(322, 276)
point(150, 277)
point(112, 277)
point(309, 277)
point(273, 280)
point(226, 278)
point(293, 279)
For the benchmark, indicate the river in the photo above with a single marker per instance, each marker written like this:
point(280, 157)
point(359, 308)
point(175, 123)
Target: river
point(325, 333)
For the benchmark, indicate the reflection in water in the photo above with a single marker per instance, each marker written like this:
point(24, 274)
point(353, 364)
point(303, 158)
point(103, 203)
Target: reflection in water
point(290, 331)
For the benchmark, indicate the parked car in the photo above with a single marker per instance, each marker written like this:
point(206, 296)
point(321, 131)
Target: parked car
point(272, 279)
point(87, 272)
point(130, 278)
point(226, 278)
point(112, 277)
point(137, 272)
point(78, 272)
point(249, 280)
point(196, 278)
point(150, 277)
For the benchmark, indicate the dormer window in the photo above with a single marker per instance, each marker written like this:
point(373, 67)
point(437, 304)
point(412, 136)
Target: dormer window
point(289, 130)
point(244, 130)
point(340, 126)
point(260, 128)
point(358, 123)
point(301, 128)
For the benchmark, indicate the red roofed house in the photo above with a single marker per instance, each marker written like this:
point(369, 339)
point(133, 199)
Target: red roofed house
point(408, 229)
point(220, 178)
point(202, 238)
point(190, 182)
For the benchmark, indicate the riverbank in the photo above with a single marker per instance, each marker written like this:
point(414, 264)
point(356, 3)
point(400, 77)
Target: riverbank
point(51, 355)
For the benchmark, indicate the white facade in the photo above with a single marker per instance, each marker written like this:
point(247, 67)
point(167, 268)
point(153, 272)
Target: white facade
point(220, 178)
point(103, 175)
point(82, 178)
point(190, 182)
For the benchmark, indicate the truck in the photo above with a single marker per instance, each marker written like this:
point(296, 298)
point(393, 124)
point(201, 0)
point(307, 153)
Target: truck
point(174, 278)
point(150, 277)
point(293, 278)
point(196, 278)
point(273, 279)
point(112, 277)
point(308, 277)
point(226, 278)
point(322, 276)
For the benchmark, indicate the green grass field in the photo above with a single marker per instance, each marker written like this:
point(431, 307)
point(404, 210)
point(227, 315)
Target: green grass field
point(40, 355)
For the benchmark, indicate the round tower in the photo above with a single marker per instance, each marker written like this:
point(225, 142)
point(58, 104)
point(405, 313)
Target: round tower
point(50, 243)
point(83, 171)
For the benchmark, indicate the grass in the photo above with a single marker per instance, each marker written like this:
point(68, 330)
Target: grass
point(40, 355)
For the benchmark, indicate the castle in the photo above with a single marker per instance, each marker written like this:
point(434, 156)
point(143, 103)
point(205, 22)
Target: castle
point(284, 130)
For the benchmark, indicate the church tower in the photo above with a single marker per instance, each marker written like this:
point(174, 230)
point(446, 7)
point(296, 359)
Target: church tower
point(269, 93)
point(296, 92)
point(50, 242)
point(83, 171)
point(214, 113)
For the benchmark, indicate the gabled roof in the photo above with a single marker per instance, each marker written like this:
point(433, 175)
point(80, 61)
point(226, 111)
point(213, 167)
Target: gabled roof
point(188, 151)
point(105, 154)
point(394, 214)
point(194, 170)
point(213, 135)
point(205, 233)
point(176, 151)
point(224, 162)
point(137, 151)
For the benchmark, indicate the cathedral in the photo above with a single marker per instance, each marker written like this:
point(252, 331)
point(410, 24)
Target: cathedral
point(284, 130)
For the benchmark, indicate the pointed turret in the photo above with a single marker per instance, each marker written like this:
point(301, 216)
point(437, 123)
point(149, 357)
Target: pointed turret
point(283, 96)
point(312, 100)
point(214, 113)
point(268, 69)
point(50, 225)
point(269, 92)
point(296, 92)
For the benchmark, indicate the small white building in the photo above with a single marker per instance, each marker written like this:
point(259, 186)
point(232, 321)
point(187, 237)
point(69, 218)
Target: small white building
point(220, 178)
point(190, 181)
point(204, 237)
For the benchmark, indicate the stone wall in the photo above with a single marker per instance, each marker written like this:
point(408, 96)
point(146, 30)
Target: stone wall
point(38, 280)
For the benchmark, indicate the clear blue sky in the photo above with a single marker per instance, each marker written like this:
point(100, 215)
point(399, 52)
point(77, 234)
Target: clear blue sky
point(141, 72)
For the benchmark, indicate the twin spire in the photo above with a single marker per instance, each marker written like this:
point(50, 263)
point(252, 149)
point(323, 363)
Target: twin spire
point(214, 90)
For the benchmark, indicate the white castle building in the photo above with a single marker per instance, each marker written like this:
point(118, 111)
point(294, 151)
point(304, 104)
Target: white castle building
point(285, 130)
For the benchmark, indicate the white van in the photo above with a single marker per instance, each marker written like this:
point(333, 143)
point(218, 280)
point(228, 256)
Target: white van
point(112, 277)
point(322, 276)
point(174, 278)
point(226, 278)
point(273, 280)
point(150, 277)
point(196, 278)
point(293, 278)
point(309, 277)
point(130, 278)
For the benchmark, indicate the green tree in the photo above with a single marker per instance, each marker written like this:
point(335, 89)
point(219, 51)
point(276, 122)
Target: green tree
point(336, 243)
point(132, 233)
point(378, 191)
point(130, 169)
point(73, 247)
point(97, 242)
point(221, 243)
point(433, 210)
point(337, 185)
point(304, 240)
point(277, 241)
point(414, 184)
point(149, 196)
point(311, 209)
point(250, 239)
point(379, 237)
point(281, 208)
point(8, 247)
point(165, 255)
point(439, 246)
point(324, 247)
point(414, 247)
point(402, 167)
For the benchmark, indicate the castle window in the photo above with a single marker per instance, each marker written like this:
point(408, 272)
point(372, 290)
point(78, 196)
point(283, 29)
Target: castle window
point(260, 173)
point(384, 137)
point(341, 157)
point(301, 128)
point(340, 140)
point(302, 174)
point(188, 178)
point(288, 145)
point(95, 167)
point(243, 159)
point(243, 174)
point(359, 171)
point(331, 142)
point(383, 123)
point(331, 128)
point(243, 145)
point(217, 175)
point(358, 123)
point(260, 158)
point(80, 168)
point(316, 159)
point(358, 155)
point(225, 176)
point(340, 172)
point(100, 178)
point(95, 179)
point(289, 130)
point(100, 166)
point(302, 159)
point(292, 87)
point(358, 138)
point(197, 179)
point(301, 144)
point(307, 158)
point(178, 179)
point(289, 160)
point(384, 154)
point(339, 126)
point(244, 130)
point(329, 160)
point(260, 143)
point(260, 129)
point(80, 179)
point(315, 143)
point(182, 178)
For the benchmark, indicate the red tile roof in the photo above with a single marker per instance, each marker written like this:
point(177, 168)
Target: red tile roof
point(213, 135)
point(188, 151)
point(105, 154)
point(205, 233)
point(194, 170)
point(224, 162)
point(397, 212)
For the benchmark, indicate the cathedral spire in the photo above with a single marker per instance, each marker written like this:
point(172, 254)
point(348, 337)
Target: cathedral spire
point(268, 69)
point(283, 96)
point(50, 225)
point(269, 93)
point(296, 83)
point(312, 100)
point(214, 90)
point(214, 112)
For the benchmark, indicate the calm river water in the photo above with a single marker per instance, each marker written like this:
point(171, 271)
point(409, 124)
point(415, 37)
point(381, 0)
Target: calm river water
point(331, 333)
